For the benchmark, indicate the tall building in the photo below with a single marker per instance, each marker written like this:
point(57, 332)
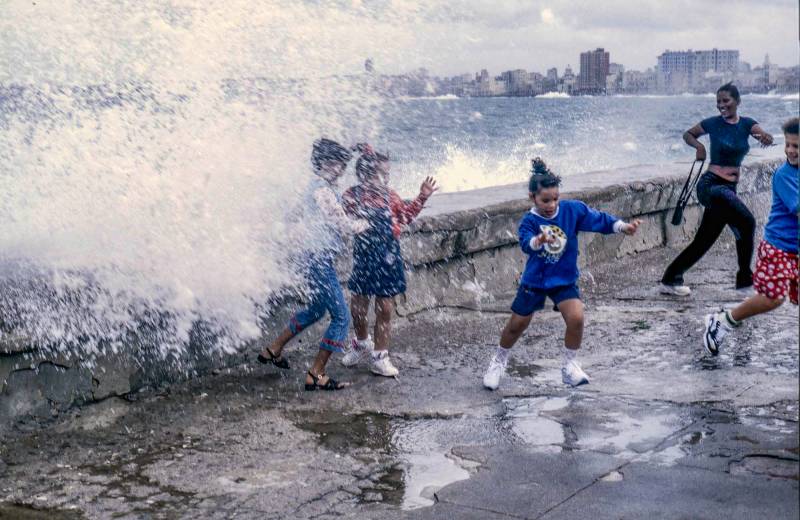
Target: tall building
point(594, 69)
point(681, 71)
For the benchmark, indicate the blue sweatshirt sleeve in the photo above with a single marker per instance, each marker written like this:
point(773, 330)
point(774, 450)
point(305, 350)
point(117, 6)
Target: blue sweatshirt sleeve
point(590, 219)
point(785, 187)
point(527, 230)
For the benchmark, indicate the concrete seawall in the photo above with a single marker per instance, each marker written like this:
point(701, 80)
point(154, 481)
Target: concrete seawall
point(462, 252)
point(462, 256)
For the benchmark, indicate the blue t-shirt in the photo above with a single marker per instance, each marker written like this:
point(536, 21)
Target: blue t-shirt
point(728, 140)
point(781, 230)
point(556, 265)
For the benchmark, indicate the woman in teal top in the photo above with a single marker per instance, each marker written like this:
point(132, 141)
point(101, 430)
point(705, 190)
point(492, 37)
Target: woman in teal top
point(716, 190)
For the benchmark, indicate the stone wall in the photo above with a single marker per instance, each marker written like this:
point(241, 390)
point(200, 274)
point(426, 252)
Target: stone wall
point(462, 252)
point(461, 258)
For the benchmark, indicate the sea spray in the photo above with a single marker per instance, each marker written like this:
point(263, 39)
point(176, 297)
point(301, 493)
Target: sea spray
point(152, 157)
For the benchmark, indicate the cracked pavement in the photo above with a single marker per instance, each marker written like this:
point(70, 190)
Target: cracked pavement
point(663, 430)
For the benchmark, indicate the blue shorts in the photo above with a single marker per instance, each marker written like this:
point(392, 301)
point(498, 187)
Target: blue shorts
point(530, 299)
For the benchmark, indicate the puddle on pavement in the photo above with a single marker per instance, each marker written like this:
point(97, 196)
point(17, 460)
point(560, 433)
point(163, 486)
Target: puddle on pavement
point(419, 449)
point(578, 422)
point(516, 369)
point(533, 428)
point(774, 467)
point(20, 512)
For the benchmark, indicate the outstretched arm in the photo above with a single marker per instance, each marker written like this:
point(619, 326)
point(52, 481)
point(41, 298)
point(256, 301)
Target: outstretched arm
point(601, 222)
point(760, 135)
point(406, 211)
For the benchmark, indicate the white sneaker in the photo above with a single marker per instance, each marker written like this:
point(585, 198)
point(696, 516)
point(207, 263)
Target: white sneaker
point(573, 375)
point(676, 290)
point(496, 370)
point(381, 365)
point(716, 329)
point(357, 352)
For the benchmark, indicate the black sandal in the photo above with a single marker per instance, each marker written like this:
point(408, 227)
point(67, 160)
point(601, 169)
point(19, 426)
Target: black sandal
point(278, 361)
point(330, 384)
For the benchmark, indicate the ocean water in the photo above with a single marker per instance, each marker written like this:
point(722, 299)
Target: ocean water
point(153, 153)
point(480, 142)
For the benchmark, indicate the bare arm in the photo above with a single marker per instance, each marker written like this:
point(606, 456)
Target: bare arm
point(690, 136)
point(760, 135)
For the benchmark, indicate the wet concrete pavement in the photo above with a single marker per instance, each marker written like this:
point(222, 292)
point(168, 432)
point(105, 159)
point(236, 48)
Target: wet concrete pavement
point(662, 431)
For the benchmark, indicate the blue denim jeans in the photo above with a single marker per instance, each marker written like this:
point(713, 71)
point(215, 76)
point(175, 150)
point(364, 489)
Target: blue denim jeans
point(325, 295)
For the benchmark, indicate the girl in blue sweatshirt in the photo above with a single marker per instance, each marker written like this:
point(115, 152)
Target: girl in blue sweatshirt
point(548, 234)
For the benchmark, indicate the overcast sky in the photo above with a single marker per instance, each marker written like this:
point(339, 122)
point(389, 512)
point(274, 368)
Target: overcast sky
point(87, 41)
point(505, 34)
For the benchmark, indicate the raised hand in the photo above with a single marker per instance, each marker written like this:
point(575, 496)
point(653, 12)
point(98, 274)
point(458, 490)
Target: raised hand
point(428, 187)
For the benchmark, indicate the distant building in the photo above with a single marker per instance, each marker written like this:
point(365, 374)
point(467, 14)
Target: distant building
point(690, 71)
point(593, 73)
point(769, 73)
point(567, 82)
point(517, 82)
point(638, 82)
point(614, 78)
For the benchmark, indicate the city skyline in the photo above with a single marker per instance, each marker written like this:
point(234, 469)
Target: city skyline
point(541, 35)
point(676, 72)
point(574, 64)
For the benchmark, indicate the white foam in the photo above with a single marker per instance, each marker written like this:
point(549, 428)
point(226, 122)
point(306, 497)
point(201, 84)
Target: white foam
point(160, 196)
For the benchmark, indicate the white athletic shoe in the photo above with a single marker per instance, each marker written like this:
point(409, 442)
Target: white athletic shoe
point(358, 351)
point(716, 329)
point(676, 290)
point(381, 365)
point(573, 375)
point(496, 370)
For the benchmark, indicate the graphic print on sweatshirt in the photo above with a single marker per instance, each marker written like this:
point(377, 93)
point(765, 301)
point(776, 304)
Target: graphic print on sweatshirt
point(551, 252)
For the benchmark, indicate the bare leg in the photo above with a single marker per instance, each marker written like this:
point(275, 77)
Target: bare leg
point(514, 328)
point(318, 368)
point(757, 304)
point(384, 307)
point(359, 309)
point(276, 347)
point(572, 312)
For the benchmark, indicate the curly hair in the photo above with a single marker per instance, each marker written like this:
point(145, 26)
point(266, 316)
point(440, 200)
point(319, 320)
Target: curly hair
point(542, 176)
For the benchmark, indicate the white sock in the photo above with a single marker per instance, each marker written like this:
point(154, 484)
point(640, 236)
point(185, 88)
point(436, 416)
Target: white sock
point(729, 319)
point(568, 355)
point(364, 343)
point(502, 354)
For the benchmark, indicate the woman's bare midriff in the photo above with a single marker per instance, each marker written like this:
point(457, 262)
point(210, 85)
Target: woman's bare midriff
point(729, 173)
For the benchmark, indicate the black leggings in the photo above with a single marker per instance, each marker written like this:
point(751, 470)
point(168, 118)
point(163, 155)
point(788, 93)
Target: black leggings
point(722, 207)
